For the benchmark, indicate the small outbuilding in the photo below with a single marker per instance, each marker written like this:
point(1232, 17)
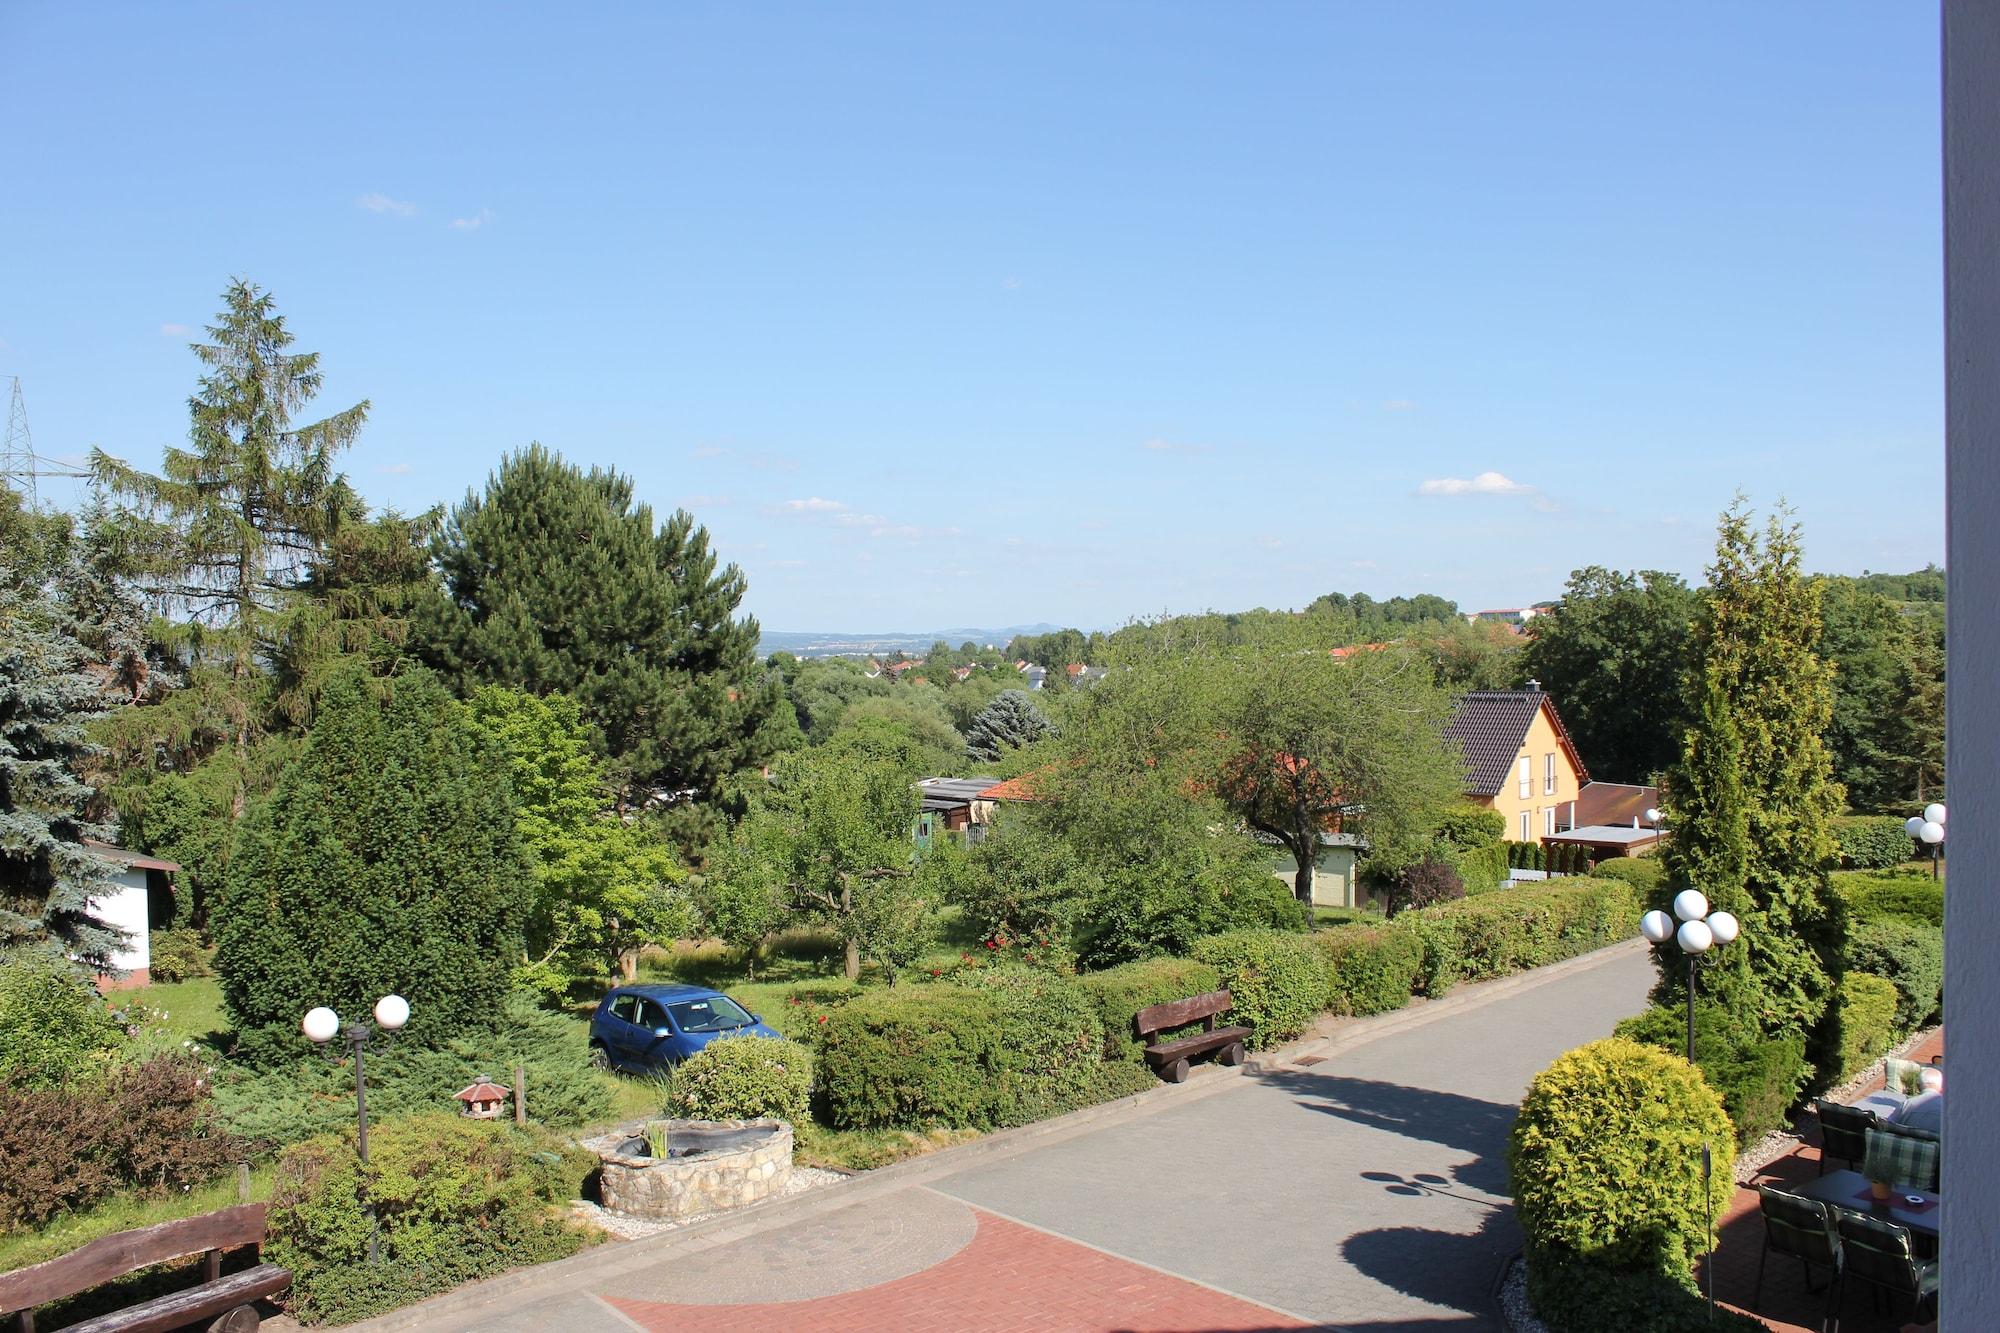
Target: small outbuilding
point(1607, 840)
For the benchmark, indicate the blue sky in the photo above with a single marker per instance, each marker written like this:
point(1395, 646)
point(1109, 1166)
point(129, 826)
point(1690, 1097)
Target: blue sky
point(945, 314)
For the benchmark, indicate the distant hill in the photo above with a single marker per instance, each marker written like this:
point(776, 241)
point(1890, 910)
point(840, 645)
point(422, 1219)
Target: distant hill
point(814, 643)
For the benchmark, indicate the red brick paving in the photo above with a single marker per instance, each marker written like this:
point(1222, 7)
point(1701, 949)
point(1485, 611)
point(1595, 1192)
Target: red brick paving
point(1787, 1306)
point(1010, 1277)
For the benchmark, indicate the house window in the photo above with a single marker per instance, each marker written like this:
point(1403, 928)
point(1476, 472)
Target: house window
point(1549, 774)
point(1527, 777)
point(1548, 822)
point(1524, 821)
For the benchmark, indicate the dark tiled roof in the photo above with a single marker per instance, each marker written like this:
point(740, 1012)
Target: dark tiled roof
point(1490, 727)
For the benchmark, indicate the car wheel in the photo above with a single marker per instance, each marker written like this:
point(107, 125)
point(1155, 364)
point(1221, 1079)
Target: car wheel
point(600, 1058)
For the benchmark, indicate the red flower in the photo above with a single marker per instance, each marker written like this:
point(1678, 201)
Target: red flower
point(822, 1018)
point(992, 944)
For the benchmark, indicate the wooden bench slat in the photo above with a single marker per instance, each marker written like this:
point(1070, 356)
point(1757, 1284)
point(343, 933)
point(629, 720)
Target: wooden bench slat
point(111, 1257)
point(179, 1308)
point(1168, 1051)
point(1179, 1013)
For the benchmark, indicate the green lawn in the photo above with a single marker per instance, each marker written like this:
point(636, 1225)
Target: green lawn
point(186, 1008)
point(67, 1232)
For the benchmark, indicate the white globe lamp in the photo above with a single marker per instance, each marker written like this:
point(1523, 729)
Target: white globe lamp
point(1934, 813)
point(1724, 927)
point(1932, 832)
point(1695, 937)
point(1691, 905)
point(1914, 825)
point(321, 1024)
point(1657, 927)
point(391, 1012)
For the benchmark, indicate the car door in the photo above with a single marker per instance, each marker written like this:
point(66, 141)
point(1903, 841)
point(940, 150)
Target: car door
point(622, 1034)
point(655, 1050)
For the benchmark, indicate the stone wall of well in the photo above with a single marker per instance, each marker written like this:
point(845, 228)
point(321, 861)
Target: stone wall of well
point(674, 1188)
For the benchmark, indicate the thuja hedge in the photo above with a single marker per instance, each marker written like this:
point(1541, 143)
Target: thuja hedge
point(1866, 1013)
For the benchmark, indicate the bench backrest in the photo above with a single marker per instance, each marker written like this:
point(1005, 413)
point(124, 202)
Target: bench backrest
point(111, 1257)
point(1179, 1013)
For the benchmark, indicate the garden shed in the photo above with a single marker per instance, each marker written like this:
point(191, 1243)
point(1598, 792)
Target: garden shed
point(144, 902)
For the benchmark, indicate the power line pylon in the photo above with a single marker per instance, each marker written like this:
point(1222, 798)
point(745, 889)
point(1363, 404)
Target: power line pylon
point(20, 465)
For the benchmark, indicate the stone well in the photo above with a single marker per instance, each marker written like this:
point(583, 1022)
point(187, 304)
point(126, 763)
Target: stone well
point(711, 1166)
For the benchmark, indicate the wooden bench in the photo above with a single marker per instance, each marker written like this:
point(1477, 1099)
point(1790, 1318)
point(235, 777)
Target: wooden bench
point(228, 1300)
point(1170, 1058)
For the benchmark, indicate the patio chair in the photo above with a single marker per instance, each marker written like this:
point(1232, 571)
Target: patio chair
point(1804, 1229)
point(1843, 1132)
point(1904, 1157)
point(1879, 1254)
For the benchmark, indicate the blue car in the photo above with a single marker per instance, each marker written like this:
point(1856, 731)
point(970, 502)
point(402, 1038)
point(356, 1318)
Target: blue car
point(646, 1028)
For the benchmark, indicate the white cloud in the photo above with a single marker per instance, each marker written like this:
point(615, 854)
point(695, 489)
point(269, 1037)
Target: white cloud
point(1011, 283)
point(395, 469)
point(814, 505)
point(1399, 405)
point(382, 203)
point(175, 330)
point(1173, 447)
point(473, 223)
point(1486, 483)
point(708, 451)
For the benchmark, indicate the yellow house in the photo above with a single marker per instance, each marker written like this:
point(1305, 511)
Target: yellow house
point(1518, 759)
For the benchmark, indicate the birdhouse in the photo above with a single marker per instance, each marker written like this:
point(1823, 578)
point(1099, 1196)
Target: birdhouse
point(484, 1100)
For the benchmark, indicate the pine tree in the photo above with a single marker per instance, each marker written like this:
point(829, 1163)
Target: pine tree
point(385, 860)
point(48, 695)
point(556, 581)
point(1749, 804)
point(1010, 721)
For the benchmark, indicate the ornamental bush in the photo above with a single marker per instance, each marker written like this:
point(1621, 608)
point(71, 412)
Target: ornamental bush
point(1758, 1077)
point(1910, 955)
point(1876, 895)
point(1276, 980)
point(456, 1200)
point(179, 955)
point(1576, 1296)
point(1119, 993)
point(53, 1027)
point(1643, 872)
point(743, 1078)
point(911, 1057)
point(1865, 1009)
point(1606, 1159)
point(1872, 842)
point(1051, 1041)
point(1369, 969)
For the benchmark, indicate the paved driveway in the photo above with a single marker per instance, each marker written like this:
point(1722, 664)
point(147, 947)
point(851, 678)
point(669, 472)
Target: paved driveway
point(1364, 1192)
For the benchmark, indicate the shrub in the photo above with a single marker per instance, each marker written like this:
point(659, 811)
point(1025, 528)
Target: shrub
point(1605, 1158)
point(456, 1200)
point(799, 1013)
point(1910, 955)
point(1481, 869)
point(1521, 927)
point(1758, 1077)
point(743, 1078)
point(914, 1057)
point(1119, 993)
point(1871, 842)
point(1370, 969)
point(1425, 883)
point(179, 955)
point(1576, 1296)
point(1866, 1013)
point(1277, 981)
point(1876, 895)
point(1643, 872)
point(1050, 1041)
point(53, 1026)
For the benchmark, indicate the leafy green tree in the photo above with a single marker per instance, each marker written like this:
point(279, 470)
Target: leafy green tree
point(1750, 802)
point(226, 531)
point(1613, 652)
point(1009, 722)
point(910, 725)
point(1887, 732)
point(557, 582)
point(822, 689)
point(740, 898)
point(604, 888)
point(48, 695)
point(1313, 744)
point(386, 859)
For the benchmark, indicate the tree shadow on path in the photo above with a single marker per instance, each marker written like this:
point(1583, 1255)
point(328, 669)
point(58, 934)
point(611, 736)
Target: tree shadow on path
point(1468, 1124)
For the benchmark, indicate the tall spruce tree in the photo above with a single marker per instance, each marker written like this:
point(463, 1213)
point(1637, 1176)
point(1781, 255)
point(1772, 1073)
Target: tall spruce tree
point(556, 582)
point(1009, 722)
point(1749, 804)
point(386, 859)
point(222, 536)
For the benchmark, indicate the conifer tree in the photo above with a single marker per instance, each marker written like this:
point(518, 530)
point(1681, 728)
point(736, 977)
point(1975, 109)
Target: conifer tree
point(556, 581)
point(1749, 804)
point(385, 860)
point(1010, 721)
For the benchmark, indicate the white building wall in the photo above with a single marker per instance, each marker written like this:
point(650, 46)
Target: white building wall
point(127, 910)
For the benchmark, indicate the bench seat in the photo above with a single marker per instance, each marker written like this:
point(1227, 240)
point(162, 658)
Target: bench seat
point(1195, 1043)
point(177, 1309)
point(1170, 1058)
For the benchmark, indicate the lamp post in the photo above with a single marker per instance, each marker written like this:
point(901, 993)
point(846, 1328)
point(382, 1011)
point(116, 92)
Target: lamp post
point(1928, 828)
point(1699, 931)
point(321, 1025)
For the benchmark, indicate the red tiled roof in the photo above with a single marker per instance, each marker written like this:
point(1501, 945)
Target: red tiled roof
point(1352, 649)
point(483, 1091)
point(1013, 789)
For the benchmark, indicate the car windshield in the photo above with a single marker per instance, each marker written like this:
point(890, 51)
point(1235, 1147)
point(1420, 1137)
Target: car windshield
point(710, 1015)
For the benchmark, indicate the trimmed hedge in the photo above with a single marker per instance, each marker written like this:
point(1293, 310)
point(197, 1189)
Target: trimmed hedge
point(1481, 869)
point(1576, 1296)
point(1867, 1017)
point(1276, 980)
point(1872, 842)
point(1605, 1158)
point(1759, 1078)
point(1369, 969)
point(1910, 955)
point(1642, 872)
point(743, 1078)
point(1119, 993)
point(1051, 1041)
point(1523, 927)
point(1876, 895)
point(912, 1057)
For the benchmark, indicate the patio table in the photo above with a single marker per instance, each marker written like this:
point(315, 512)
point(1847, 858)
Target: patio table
point(1849, 1190)
point(1884, 1104)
